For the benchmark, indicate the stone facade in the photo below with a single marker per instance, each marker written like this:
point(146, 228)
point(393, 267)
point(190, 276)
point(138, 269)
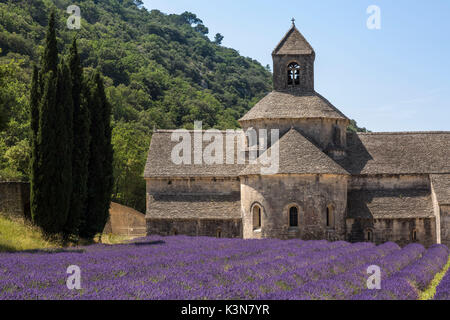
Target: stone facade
point(15, 199)
point(227, 228)
point(311, 194)
point(401, 231)
point(195, 206)
point(330, 184)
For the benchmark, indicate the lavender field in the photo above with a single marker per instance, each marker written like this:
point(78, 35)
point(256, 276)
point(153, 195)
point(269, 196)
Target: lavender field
point(182, 267)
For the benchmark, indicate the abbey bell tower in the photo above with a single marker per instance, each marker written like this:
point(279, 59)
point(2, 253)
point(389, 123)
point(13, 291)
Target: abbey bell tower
point(294, 103)
point(293, 63)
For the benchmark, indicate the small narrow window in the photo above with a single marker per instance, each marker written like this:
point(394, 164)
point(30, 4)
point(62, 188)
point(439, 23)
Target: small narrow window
point(293, 217)
point(170, 182)
point(256, 217)
point(329, 217)
point(174, 232)
point(369, 235)
point(219, 233)
point(293, 74)
point(414, 235)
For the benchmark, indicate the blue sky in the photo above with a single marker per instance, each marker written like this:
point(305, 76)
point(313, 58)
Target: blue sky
point(393, 79)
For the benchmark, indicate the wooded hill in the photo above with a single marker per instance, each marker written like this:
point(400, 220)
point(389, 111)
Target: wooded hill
point(160, 70)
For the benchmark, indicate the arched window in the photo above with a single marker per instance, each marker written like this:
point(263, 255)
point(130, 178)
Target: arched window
point(330, 217)
point(293, 216)
point(219, 233)
point(414, 235)
point(293, 74)
point(256, 212)
point(369, 235)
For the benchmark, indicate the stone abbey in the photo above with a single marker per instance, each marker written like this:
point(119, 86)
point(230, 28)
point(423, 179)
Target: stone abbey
point(330, 184)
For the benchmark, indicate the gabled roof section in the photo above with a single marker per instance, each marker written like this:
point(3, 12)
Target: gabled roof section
point(398, 153)
point(293, 105)
point(293, 43)
point(160, 165)
point(297, 155)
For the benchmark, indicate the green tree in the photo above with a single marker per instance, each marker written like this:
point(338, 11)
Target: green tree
point(130, 141)
point(100, 178)
point(201, 28)
point(218, 38)
point(51, 184)
point(353, 127)
point(81, 138)
point(50, 58)
point(159, 70)
point(3, 98)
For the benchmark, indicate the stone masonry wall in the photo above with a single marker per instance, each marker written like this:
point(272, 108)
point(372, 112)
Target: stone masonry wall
point(15, 199)
point(445, 224)
point(311, 193)
point(215, 214)
point(392, 229)
point(306, 63)
point(221, 228)
point(395, 230)
point(383, 182)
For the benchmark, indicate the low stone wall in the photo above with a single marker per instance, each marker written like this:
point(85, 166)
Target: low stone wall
point(126, 221)
point(15, 199)
point(221, 228)
point(395, 230)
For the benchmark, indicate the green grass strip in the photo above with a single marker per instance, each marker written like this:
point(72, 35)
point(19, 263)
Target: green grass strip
point(429, 293)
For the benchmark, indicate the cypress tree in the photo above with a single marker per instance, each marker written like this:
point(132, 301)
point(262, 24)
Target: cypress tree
point(50, 57)
point(34, 124)
point(51, 184)
point(81, 138)
point(41, 206)
point(43, 99)
point(100, 179)
point(64, 146)
point(34, 104)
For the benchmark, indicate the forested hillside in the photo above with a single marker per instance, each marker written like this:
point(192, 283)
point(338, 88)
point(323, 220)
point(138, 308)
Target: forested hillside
point(161, 71)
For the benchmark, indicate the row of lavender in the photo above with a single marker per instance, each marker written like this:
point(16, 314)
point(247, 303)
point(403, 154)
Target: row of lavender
point(207, 268)
point(443, 289)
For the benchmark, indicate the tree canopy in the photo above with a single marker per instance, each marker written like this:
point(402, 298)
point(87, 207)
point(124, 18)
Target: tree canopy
point(160, 71)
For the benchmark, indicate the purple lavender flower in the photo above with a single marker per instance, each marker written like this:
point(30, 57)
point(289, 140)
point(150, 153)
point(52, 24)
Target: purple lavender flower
point(197, 268)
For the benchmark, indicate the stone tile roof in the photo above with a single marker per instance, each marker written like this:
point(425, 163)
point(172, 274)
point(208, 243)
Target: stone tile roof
point(441, 186)
point(379, 204)
point(160, 165)
point(398, 153)
point(293, 43)
point(367, 153)
point(297, 155)
point(202, 206)
point(293, 105)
